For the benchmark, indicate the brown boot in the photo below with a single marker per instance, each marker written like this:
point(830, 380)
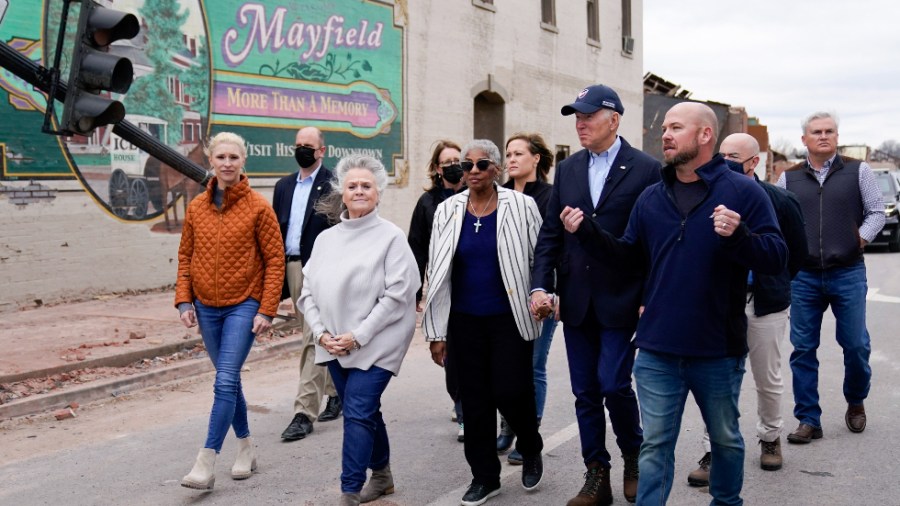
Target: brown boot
point(856, 418)
point(700, 477)
point(596, 490)
point(630, 477)
point(770, 459)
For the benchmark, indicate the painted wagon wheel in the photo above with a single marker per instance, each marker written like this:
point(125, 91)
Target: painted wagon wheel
point(139, 199)
point(118, 193)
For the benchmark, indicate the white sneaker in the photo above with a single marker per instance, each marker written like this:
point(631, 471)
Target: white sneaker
point(461, 435)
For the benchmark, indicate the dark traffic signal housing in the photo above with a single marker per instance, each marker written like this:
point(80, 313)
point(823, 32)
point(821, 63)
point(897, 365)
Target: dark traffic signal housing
point(95, 70)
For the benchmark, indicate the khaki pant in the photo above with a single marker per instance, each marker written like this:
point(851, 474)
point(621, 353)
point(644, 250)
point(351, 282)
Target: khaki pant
point(765, 334)
point(314, 379)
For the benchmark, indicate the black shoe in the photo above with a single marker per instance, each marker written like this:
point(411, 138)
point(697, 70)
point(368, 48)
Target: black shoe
point(532, 472)
point(299, 428)
point(332, 409)
point(515, 458)
point(479, 494)
point(506, 438)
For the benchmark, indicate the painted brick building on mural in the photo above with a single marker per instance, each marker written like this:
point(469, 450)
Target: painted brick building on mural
point(384, 78)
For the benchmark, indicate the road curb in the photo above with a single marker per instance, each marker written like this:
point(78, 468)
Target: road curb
point(119, 386)
point(120, 360)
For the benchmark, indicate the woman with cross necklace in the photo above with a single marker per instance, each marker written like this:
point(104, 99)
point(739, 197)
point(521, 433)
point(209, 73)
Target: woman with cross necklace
point(477, 312)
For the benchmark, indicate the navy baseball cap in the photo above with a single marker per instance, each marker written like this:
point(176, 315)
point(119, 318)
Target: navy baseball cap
point(594, 98)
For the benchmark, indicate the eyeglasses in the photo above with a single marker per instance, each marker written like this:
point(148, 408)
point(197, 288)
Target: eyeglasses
point(483, 165)
point(448, 163)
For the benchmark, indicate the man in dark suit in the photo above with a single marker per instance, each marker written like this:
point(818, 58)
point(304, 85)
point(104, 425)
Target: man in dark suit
point(294, 198)
point(599, 301)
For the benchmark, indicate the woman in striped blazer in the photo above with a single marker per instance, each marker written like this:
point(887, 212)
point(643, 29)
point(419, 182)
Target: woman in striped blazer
point(479, 272)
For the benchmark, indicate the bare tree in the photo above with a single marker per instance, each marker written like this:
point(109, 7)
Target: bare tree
point(890, 147)
point(783, 146)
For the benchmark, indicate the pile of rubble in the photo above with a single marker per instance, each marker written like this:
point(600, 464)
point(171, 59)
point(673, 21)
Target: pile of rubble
point(36, 386)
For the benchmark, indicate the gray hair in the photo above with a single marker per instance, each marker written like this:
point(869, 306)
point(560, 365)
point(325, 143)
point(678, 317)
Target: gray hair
point(489, 148)
point(332, 205)
point(819, 115)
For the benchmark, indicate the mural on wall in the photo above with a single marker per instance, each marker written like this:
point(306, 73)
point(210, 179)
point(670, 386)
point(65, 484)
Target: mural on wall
point(261, 69)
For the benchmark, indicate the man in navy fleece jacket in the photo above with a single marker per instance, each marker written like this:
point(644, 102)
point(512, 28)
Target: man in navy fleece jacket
point(699, 231)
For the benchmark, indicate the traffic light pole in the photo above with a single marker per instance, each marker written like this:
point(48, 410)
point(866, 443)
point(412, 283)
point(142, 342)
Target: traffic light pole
point(47, 127)
point(40, 78)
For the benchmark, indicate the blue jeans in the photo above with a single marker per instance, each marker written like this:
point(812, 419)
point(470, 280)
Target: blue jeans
point(541, 351)
point(228, 337)
point(812, 292)
point(366, 442)
point(663, 383)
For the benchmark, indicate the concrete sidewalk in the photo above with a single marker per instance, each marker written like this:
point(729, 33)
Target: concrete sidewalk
point(81, 351)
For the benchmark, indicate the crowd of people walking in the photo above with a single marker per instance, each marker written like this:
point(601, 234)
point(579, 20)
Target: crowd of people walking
point(673, 273)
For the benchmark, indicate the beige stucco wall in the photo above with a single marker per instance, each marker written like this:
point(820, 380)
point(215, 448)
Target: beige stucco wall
point(69, 247)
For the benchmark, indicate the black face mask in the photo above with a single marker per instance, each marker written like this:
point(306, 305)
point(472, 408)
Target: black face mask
point(453, 173)
point(305, 156)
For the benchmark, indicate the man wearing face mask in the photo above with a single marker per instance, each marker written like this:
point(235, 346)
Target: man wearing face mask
point(293, 200)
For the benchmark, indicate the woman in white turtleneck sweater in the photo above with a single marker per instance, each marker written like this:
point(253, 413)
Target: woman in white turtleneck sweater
point(359, 299)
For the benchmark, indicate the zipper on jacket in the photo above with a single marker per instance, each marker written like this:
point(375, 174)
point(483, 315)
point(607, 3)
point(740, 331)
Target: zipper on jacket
point(218, 252)
point(684, 217)
point(821, 228)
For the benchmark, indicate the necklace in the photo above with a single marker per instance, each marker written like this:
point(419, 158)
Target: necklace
point(478, 220)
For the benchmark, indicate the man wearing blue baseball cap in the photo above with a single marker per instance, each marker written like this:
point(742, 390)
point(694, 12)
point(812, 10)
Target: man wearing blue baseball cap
point(599, 299)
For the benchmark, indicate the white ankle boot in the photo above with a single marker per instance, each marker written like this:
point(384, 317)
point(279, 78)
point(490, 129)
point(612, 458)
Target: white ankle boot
point(203, 475)
point(245, 463)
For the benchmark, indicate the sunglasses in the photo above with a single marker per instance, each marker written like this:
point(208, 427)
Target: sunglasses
point(483, 165)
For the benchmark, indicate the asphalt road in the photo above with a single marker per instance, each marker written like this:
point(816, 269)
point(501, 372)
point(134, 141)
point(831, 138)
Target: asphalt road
point(135, 450)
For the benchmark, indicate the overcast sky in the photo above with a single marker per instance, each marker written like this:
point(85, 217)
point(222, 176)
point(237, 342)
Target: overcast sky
point(785, 59)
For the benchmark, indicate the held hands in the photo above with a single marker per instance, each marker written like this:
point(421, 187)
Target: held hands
point(543, 305)
point(725, 221)
point(571, 219)
point(189, 318)
point(339, 345)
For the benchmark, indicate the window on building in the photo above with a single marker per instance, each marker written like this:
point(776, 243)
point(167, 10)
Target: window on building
point(627, 39)
point(593, 20)
point(548, 12)
point(562, 152)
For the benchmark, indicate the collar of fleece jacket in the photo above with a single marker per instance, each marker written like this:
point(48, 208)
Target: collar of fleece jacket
point(232, 194)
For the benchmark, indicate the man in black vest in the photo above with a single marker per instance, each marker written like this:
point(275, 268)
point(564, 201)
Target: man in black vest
point(294, 199)
point(844, 211)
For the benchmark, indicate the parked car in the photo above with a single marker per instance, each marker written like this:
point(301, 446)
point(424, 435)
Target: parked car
point(889, 182)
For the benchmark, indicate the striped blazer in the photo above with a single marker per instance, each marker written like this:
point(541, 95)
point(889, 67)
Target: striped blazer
point(518, 224)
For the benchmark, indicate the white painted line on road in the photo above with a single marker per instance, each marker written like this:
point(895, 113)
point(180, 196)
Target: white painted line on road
point(873, 295)
point(453, 497)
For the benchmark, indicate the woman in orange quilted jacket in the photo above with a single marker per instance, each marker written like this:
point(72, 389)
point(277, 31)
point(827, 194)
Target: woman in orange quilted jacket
point(230, 271)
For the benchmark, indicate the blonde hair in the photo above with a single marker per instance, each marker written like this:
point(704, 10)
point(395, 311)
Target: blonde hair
point(226, 138)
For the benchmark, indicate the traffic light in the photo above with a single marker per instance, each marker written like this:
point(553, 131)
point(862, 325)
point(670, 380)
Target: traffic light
point(93, 69)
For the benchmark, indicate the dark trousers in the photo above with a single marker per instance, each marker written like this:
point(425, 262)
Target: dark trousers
point(495, 373)
point(600, 364)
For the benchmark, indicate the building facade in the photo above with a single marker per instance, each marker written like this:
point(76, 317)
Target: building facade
point(387, 78)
